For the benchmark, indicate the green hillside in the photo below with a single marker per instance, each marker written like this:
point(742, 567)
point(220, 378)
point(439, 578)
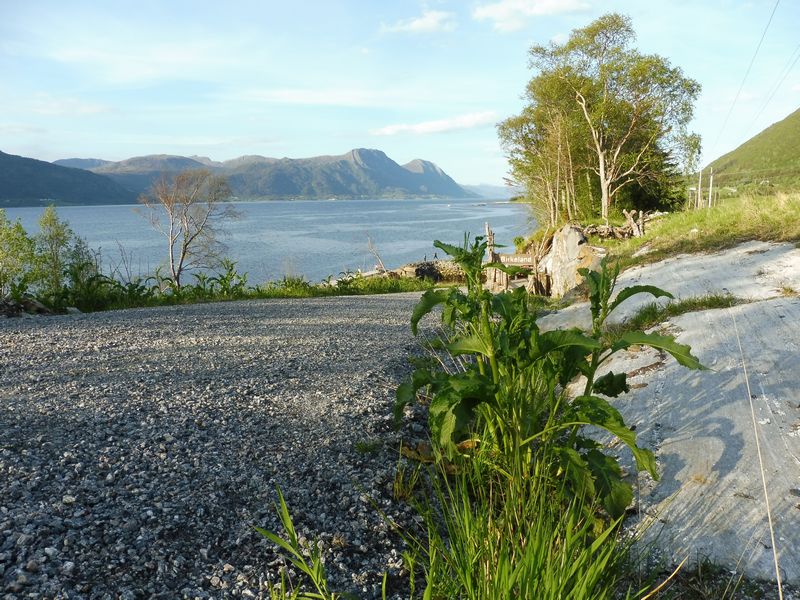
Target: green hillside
point(770, 158)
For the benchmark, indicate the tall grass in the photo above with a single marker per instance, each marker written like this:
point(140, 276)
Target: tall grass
point(773, 218)
point(515, 536)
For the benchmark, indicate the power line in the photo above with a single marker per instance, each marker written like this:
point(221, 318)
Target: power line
point(746, 73)
point(784, 74)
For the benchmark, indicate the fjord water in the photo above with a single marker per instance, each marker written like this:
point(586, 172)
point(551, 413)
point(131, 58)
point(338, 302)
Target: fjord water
point(310, 238)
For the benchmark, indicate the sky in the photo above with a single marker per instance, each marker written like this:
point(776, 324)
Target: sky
point(416, 79)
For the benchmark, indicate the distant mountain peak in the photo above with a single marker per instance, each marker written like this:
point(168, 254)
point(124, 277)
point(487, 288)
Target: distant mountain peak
point(368, 157)
point(419, 165)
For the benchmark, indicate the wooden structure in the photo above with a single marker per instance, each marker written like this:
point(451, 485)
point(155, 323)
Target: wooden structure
point(497, 280)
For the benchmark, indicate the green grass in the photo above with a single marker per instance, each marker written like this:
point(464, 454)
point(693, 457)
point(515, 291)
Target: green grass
point(491, 536)
point(653, 313)
point(297, 287)
point(775, 218)
point(772, 155)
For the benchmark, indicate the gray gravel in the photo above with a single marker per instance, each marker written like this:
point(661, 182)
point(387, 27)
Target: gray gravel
point(138, 448)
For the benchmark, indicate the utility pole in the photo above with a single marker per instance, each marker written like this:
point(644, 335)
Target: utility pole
point(710, 187)
point(698, 200)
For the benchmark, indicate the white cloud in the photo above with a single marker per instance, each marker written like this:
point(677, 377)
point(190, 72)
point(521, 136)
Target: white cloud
point(430, 21)
point(796, 87)
point(467, 121)
point(511, 15)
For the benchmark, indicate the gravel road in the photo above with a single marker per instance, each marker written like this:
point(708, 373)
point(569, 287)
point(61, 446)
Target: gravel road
point(138, 448)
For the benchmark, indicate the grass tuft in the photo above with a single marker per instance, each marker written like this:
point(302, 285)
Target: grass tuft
point(653, 313)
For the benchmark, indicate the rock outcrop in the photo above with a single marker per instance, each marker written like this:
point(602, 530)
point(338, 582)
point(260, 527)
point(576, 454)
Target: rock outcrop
point(568, 253)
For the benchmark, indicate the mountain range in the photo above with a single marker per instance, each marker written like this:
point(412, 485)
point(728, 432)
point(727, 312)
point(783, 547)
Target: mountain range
point(360, 173)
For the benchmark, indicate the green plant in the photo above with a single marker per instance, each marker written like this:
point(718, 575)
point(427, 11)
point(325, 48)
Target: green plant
point(133, 293)
point(405, 482)
point(17, 255)
point(230, 283)
point(518, 537)
point(367, 446)
point(53, 246)
point(203, 287)
point(305, 557)
point(312, 565)
point(510, 398)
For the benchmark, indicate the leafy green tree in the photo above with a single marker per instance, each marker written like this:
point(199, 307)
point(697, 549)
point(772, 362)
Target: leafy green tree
point(17, 255)
point(188, 210)
point(626, 112)
point(55, 244)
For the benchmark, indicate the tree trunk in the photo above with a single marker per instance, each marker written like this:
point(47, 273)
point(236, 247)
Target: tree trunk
point(605, 199)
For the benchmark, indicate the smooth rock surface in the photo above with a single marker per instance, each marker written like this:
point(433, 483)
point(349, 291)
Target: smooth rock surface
point(752, 271)
point(710, 501)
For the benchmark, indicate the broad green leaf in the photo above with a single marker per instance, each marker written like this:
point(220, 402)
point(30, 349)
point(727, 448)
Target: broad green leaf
point(638, 289)
point(615, 494)
point(611, 384)
point(559, 339)
point(407, 391)
point(454, 251)
point(450, 416)
point(472, 344)
point(429, 300)
point(681, 352)
point(442, 421)
point(471, 383)
point(598, 412)
point(576, 470)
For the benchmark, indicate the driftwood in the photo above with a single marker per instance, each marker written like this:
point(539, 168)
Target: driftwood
point(634, 226)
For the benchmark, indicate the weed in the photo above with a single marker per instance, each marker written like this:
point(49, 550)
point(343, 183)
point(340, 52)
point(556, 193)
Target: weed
point(510, 394)
point(535, 505)
point(405, 482)
point(306, 560)
point(367, 446)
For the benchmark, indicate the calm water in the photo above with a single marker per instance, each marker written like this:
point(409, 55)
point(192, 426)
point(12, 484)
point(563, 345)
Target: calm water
point(310, 238)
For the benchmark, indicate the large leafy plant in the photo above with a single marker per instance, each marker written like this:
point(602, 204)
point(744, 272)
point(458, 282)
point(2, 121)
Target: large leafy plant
point(509, 396)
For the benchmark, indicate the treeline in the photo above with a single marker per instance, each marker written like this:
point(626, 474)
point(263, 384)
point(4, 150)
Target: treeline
point(605, 127)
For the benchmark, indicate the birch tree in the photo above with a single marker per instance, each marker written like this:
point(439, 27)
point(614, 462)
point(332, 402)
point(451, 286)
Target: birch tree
point(188, 210)
point(635, 107)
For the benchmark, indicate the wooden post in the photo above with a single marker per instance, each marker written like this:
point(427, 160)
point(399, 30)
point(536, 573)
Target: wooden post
point(710, 187)
point(697, 201)
point(491, 274)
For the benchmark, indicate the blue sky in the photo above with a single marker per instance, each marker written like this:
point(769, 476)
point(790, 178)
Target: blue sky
point(416, 79)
